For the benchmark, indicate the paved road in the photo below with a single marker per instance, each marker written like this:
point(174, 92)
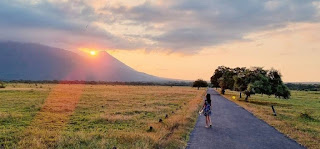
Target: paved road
point(235, 128)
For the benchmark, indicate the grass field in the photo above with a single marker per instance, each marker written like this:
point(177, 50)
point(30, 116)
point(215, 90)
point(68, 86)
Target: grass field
point(96, 116)
point(297, 117)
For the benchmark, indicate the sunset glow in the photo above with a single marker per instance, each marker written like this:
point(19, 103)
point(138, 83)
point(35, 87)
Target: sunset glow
point(93, 53)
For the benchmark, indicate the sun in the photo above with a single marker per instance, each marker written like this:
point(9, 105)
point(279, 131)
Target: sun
point(93, 52)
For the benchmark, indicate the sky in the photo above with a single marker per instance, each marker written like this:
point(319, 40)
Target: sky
point(181, 39)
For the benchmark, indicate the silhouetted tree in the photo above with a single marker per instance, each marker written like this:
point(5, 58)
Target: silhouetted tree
point(217, 75)
point(200, 83)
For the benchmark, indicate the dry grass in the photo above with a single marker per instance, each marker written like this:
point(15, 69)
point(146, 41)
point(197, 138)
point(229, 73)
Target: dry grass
point(97, 116)
point(52, 117)
point(298, 117)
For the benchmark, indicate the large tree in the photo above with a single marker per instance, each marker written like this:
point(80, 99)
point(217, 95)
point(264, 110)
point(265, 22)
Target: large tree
point(250, 81)
point(223, 78)
point(274, 79)
point(217, 75)
point(239, 80)
point(262, 85)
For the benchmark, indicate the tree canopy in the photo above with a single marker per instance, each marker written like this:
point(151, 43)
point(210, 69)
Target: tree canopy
point(250, 81)
point(200, 83)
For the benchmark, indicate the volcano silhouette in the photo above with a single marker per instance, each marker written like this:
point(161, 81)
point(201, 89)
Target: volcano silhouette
point(28, 61)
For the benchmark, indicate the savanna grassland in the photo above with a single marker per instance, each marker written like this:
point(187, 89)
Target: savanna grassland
point(297, 117)
point(96, 116)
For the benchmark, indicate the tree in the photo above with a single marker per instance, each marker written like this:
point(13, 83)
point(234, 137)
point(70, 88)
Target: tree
point(228, 78)
point(217, 75)
point(274, 79)
point(249, 91)
point(250, 81)
point(223, 78)
point(222, 84)
point(278, 88)
point(256, 81)
point(262, 85)
point(239, 80)
point(282, 91)
point(200, 83)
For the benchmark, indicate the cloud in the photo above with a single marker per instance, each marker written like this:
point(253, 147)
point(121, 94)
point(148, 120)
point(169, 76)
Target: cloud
point(189, 25)
point(67, 24)
point(193, 39)
point(41, 15)
point(184, 26)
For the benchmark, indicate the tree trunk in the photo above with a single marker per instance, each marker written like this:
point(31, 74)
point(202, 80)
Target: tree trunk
point(222, 91)
point(198, 88)
point(240, 95)
point(247, 98)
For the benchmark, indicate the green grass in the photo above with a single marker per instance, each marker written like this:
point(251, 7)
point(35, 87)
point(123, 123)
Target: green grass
point(17, 109)
point(297, 117)
point(96, 116)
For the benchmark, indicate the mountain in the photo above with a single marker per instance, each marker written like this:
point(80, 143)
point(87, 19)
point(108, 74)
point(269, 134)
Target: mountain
point(28, 61)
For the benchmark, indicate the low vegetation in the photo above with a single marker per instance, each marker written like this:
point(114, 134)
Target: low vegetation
point(298, 118)
point(97, 116)
point(2, 85)
point(251, 81)
point(303, 87)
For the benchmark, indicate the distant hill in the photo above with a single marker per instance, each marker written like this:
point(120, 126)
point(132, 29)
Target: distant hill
point(29, 61)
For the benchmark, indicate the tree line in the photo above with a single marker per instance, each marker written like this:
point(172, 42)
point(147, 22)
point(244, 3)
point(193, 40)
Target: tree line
point(303, 87)
point(255, 80)
point(163, 83)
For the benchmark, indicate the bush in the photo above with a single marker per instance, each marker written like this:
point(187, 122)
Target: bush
point(2, 85)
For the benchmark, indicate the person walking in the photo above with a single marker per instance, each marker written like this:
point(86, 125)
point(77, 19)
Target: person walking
point(206, 108)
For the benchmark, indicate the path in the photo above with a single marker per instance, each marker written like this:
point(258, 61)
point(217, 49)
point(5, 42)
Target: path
point(234, 127)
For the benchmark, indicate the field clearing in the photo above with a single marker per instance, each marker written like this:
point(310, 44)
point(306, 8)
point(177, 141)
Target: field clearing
point(297, 117)
point(96, 116)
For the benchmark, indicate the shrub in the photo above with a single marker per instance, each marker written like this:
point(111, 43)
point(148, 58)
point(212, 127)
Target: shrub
point(307, 115)
point(2, 85)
